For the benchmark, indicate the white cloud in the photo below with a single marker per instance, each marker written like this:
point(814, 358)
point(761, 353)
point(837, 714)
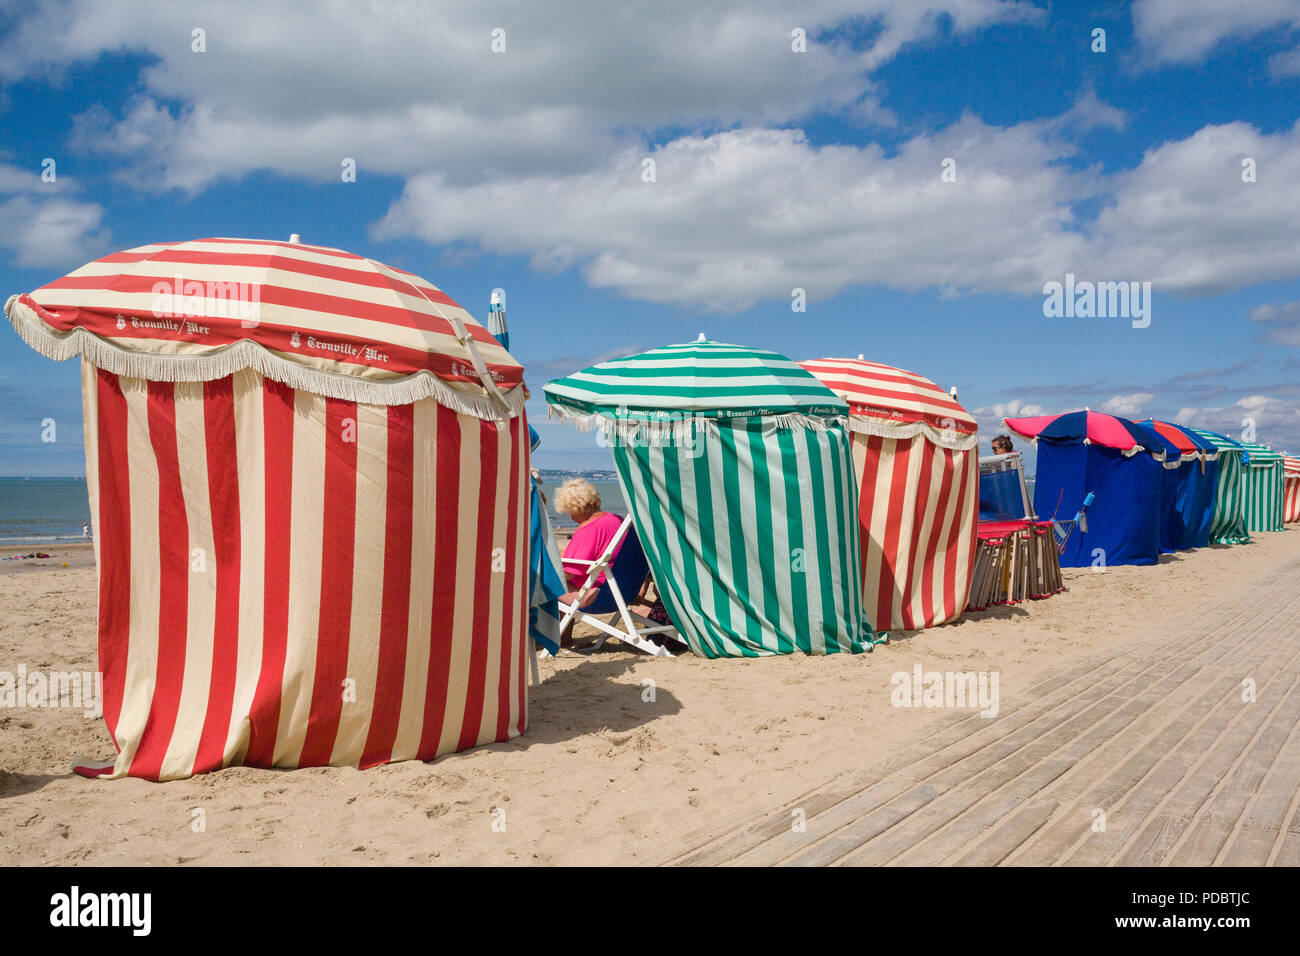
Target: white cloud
point(410, 87)
point(989, 417)
point(1128, 406)
point(1185, 220)
point(1286, 64)
point(537, 151)
point(1012, 409)
point(1282, 322)
point(1276, 420)
point(751, 214)
point(1089, 113)
point(44, 223)
point(1186, 31)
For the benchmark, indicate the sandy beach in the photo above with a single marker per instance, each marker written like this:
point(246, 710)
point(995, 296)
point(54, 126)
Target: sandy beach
point(605, 775)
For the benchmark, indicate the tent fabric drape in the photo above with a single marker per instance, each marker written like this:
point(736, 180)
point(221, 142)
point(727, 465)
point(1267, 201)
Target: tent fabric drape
point(1291, 491)
point(1228, 518)
point(1125, 516)
point(547, 579)
point(750, 534)
point(1189, 486)
point(292, 580)
point(916, 458)
point(1263, 488)
point(918, 518)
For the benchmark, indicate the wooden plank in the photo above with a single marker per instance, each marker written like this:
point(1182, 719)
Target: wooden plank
point(1185, 783)
point(1031, 775)
point(1150, 732)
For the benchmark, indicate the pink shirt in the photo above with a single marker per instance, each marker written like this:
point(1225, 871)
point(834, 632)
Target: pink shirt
point(587, 544)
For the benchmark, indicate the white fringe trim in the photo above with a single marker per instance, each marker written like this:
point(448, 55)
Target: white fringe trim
point(157, 367)
point(941, 437)
point(675, 426)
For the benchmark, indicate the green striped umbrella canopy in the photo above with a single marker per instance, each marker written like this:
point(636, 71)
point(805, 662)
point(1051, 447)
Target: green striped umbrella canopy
point(1228, 522)
point(738, 470)
point(1263, 487)
point(700, 379)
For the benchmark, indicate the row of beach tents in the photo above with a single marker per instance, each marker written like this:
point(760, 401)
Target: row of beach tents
point(1159, 487)
point(311, 501)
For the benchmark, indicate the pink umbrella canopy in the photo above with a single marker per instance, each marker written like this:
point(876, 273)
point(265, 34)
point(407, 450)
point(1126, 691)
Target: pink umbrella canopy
point(312, 317)
point(1095, 428)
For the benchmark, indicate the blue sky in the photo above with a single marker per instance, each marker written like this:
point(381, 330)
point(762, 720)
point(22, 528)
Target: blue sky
point(775, 170)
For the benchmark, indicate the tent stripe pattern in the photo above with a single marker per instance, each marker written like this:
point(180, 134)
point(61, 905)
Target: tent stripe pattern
point(1263, 488)
point(1291, 500)
point(737, 470)
point(703, 379)
point(919, 528)
point(1228, 522)
point(327, 566)
point(895, 403)
point(309, 316)
point(915, 453)
point(785, 583)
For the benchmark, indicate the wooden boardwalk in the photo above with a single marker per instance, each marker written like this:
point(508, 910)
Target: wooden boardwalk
point(1156, 736)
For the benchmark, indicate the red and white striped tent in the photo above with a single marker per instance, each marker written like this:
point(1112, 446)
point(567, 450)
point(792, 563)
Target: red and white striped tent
point(308, 482)
point(1291, 489)
point(915, 451)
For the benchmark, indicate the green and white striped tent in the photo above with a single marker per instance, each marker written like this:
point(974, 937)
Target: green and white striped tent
point(738, 470)
point(1263, 488)
point(1228, 522)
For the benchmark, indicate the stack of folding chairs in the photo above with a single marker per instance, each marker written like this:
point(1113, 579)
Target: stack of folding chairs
point(1015, 560)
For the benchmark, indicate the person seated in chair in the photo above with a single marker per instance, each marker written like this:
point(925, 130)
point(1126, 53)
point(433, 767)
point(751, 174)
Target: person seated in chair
point(1002, 445)
point(579, 499)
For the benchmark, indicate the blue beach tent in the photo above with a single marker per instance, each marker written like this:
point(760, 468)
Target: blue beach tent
point(1119, 461)
point(1191, 477)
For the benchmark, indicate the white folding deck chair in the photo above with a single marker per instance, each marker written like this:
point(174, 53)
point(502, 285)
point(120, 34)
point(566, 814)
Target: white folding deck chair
point(631, 563)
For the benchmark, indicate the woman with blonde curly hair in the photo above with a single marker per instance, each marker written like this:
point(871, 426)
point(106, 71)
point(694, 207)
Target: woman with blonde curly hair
point(579, 499)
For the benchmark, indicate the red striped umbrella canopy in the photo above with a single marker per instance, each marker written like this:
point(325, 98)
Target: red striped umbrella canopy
point(1189, 444)
point(311, 317)
point(1173, 435)
point(894, 402)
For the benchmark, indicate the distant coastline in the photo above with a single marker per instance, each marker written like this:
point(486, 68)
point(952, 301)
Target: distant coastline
point(42, 510)
point(591, 474)
point(606, 482)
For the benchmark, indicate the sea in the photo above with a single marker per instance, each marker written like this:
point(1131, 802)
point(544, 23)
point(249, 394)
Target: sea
point(50, 510)
point(611, 495)
point(47, 510)
point(42, 510)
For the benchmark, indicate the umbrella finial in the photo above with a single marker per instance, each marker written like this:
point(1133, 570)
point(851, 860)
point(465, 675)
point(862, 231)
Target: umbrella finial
point(952, 393)
point(497, 317)
point(861, 357)
point(294, 237)
point(701, 338)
